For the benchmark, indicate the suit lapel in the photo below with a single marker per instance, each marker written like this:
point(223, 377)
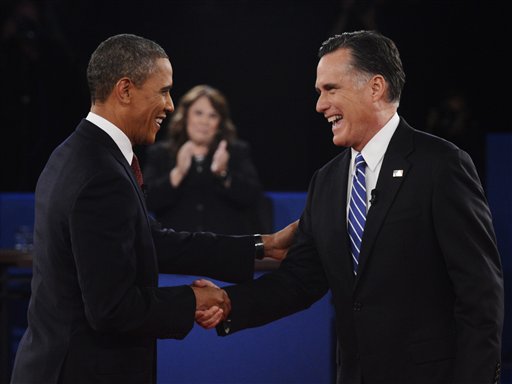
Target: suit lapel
point(335, 217)
point(96, 134)
point(128, 169)
point(339, 213)
point(393, 172)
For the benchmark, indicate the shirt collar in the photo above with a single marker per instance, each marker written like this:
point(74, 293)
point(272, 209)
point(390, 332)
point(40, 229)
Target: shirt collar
point(373, 152)
point(119, 137)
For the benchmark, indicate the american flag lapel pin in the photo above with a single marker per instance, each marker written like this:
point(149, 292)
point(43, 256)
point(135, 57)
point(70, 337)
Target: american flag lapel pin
point(398, 172)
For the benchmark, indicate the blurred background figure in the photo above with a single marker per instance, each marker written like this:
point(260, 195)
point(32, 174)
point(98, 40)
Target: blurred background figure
point(452, 119)
point(201, 177)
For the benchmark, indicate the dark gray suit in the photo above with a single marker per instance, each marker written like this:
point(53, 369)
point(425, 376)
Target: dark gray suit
point(96, 310)
point(427, 303)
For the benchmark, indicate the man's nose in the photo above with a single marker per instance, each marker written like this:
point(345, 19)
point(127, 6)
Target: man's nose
point(169, 104)
point(321, 105)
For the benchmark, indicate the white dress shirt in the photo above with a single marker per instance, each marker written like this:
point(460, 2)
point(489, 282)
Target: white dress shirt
point(119, 137)
point(373, 153)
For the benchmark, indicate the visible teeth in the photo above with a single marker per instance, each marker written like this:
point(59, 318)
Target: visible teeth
point(159, 121)
point(334, 118)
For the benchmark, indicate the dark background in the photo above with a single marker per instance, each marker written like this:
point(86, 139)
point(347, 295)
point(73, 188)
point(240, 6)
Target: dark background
point(261, 54)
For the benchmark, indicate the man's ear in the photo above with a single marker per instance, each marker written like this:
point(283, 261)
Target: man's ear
point(123, 90)
point(378, 84)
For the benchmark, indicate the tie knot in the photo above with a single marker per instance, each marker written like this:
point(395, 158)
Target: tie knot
point(360, 162)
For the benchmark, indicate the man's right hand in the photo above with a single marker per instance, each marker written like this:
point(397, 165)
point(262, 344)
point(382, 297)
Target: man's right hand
point(212, 303)
point(276, 245)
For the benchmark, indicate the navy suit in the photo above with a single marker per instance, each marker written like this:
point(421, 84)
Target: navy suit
point(427, 303)
point(96, 310)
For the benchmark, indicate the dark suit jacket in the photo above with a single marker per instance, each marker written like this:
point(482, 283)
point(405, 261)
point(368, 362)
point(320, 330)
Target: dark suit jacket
point(427, 303)
point(201, 199)
point(96, 310)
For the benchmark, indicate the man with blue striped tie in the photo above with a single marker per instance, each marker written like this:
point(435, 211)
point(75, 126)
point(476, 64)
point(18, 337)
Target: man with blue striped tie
point(418, 294)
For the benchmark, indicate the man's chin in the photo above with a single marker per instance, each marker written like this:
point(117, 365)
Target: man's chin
point(150, 139)
point(338, 142)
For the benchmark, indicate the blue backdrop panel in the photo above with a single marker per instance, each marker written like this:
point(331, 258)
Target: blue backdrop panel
point(296, 349)
point(16, 211)
point(499, 193)
point(287, 207)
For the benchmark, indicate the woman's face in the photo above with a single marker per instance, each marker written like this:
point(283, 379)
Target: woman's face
point(202, 121)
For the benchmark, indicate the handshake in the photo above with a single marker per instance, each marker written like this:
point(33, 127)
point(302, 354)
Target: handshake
point(212, 303)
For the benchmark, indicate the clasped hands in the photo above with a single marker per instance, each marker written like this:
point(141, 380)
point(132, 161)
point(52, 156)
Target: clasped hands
point(212, 303)
point(190, 149)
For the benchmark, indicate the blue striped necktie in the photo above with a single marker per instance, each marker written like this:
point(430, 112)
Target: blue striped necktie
point(357, 209)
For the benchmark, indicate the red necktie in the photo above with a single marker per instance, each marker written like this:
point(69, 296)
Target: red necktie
point(137, 171)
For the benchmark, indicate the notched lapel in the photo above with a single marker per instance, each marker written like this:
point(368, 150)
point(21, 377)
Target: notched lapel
point(140, 191)
point(128, 169)
point(341, 240)
point(329, 216)
point(393, 173)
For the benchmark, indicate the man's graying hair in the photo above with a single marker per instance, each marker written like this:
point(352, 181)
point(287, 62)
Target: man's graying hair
point(372, 53)
point(119, 56)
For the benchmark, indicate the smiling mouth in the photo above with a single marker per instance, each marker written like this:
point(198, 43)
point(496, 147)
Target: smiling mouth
point(335, 119)
point(159, 121)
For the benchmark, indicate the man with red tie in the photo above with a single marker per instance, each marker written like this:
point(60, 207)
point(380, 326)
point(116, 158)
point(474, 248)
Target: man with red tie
point(96, 309)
